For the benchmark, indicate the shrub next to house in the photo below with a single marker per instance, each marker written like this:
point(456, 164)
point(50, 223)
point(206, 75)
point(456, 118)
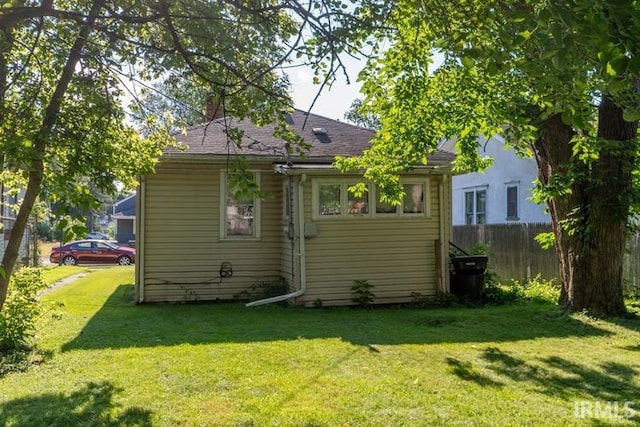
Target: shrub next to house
point(21, 309)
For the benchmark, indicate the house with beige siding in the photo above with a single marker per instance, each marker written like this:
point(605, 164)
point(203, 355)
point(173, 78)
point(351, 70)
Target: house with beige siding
point(197, 242)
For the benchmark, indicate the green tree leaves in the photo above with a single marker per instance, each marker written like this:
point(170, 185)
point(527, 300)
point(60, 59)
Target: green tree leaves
point(560, 79)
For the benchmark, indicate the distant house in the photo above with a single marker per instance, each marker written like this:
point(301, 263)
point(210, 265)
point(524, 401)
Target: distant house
point(307, 242)
point(499, 195)
point(124, 216)
point(8, 212)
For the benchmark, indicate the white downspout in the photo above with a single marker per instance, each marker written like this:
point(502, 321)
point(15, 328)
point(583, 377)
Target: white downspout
point(444, 241)
point(301, 254)
point(140, 224)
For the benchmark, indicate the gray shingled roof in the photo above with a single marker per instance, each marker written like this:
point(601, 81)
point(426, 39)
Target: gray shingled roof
point(340, 139)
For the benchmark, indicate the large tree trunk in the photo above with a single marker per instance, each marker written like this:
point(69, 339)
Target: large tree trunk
point(589, 221)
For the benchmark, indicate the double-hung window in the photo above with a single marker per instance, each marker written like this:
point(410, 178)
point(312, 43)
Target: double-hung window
point(475, 206)
point(240, 215)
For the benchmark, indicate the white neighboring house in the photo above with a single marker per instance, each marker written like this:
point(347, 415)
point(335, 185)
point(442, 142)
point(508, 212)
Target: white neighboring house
point(8, 212)
point(500, 194)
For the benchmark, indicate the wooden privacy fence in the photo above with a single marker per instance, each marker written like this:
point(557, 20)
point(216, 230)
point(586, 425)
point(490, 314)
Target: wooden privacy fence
point(513, 252)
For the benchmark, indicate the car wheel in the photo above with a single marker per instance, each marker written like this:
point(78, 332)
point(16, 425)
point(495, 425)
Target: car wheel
point(69, 260)
point(124, 260)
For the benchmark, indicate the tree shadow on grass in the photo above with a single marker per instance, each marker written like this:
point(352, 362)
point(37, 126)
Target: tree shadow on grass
point(466, 371)
point(91, 405)
point(610, 383)
point(632, 347)
point(121, 323)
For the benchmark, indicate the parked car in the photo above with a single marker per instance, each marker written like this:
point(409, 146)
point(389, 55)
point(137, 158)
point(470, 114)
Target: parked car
point(92, 252)
point(96, 235)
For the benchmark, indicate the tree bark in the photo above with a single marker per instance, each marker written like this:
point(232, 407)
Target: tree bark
point(589, 221)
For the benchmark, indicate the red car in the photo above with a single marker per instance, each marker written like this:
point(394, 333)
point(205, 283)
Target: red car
point(92, 252)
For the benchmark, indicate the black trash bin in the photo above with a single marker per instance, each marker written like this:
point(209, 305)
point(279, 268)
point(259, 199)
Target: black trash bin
point(467, 276)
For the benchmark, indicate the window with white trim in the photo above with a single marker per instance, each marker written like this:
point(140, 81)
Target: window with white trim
point(475, 206)
point(332, 199)
point(512, 202)
point(240, 216)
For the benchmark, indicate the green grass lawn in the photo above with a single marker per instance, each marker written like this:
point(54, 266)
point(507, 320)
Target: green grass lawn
point(108, 362)
point(54, 273)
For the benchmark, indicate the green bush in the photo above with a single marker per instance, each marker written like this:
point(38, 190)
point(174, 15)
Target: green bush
point(538, 289)
point(362, 293)
point(21, 308)
point(497, 293)
point(48, 233)
point(632, 301)
point(439, 300)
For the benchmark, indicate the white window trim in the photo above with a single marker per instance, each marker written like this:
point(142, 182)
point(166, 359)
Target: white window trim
point(345, 183)
point(223, 211)
point(475, 190)
point(315, 198)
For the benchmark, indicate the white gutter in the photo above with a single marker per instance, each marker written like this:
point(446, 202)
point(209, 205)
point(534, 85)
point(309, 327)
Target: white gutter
point(444, 241)
point(301, 254)
point(140, 202)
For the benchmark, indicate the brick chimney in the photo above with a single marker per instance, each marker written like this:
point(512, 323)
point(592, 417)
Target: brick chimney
point(214, 109)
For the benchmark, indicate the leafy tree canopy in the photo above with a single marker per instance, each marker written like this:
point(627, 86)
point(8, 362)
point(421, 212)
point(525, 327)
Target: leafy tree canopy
point(557, 79)
point(365, 120)
point(508, 66)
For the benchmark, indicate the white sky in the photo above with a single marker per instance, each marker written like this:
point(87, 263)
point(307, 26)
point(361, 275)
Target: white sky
point(335, 100)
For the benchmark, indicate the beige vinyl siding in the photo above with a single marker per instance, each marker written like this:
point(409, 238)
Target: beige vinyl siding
point(183, 249)
point(397, 255)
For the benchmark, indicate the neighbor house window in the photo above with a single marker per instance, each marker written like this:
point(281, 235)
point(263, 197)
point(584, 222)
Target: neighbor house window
point(332, 199)
point(475, 206)
point(240, 215)
point(512, 202)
